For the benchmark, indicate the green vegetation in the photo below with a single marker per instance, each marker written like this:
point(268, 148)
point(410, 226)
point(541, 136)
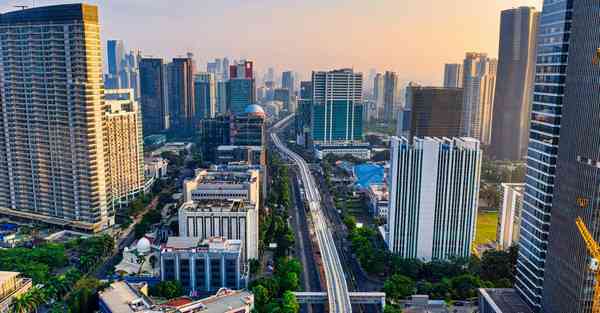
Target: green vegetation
point(167, 289)
point(37, 263)
point(487, 225)
point(493, 173)
point(275, 294)
point(388, 128)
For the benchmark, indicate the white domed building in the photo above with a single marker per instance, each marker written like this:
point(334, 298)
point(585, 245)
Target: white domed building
point(136, 259)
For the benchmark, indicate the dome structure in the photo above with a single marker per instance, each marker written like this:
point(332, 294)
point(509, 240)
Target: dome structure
point(143, 246)
point(254, 109)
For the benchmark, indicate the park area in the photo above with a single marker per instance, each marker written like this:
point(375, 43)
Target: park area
point(487, 224)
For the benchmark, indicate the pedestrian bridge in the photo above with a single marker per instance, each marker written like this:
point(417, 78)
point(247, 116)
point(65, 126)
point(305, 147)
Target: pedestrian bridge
point(377, 298)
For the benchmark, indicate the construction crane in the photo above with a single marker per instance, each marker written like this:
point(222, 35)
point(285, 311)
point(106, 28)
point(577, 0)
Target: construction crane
point(594, 250)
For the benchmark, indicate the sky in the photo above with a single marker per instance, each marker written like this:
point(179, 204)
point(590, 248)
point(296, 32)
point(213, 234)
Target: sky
point(412, 37)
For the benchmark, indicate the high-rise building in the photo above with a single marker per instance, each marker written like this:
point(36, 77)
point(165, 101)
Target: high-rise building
point(249, 127)
point(551, 68)
point(569, 284)
point(181, 94)
point(434, 197)
point(125, 144)
point(214, 132)
point(53, 160)
point(453, 76)
point(288, 81)
point(221, 97)
point(378, 94)
point(336, 107)
point(115, 56)
point(509, 217)
point(514, 86)
point(225, 69)
point(390, 95)
point(479, 82)
point(205, 90)
point(153, 96)
point(435, 111)
point(303, 115)
point(240, 87)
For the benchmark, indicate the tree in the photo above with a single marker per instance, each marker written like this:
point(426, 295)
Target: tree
point(84, 297)
point(289, 303)
point(398, 287)
point(289, 281)
point(389, 308)
point(465, 286)
point(497, 265)
point(167, 289)
point(261, 297)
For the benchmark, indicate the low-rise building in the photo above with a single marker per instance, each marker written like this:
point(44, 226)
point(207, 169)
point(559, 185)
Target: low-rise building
point(509, 219)
point(155, 168)
point(232, 219)
point(248, 154)
point(225, 301)
point(223, 183)
point(358, 150)
point(174, 147)
point(122, 297)
point(378, 197)
point(501, 300)
point(11, 286)
point(202, 265)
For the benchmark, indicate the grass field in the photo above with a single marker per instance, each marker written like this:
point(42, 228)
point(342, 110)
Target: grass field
point(487, 224)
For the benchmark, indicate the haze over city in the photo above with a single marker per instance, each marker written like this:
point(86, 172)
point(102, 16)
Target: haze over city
point(413, 37)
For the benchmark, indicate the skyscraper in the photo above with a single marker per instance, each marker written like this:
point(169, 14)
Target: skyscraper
point(568, 284)
point(125, 144)
point(390, 98)
point(288, 82)
point(153, 92)
point(435, 111)
point(379, 95)
point(240, 87)
point(514, 86)
point(479, 82)
point(433, 198)
point(181, 94)
point(115, 56)
point(336, 107)
point(205, 95)
point(453, 76)
point(552, 52)
point(303, 114)
point(53, 160)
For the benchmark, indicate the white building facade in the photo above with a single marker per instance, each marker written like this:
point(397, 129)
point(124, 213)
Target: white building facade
point(433, 197)
point(509, 220)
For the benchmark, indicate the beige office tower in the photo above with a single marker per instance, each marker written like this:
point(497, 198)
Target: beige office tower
point(479, 83)
point(52, 158)
point(125, 145)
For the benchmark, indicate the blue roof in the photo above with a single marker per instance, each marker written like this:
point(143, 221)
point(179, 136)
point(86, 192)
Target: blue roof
point(368, 174)
point(254, 108)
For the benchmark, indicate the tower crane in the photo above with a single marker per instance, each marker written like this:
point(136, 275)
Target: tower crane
point(594, 250)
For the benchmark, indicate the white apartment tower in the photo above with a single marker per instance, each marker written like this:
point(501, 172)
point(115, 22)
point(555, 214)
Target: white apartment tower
point(433, 197)
point(479, 84)
point(53, 164)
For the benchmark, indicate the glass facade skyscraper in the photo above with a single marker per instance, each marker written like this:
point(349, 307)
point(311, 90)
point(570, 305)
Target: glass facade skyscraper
point(551, 66)
point(153, 90)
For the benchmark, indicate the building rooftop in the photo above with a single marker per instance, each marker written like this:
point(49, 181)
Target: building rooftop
point(217, 205)
point(224, 301)
point(214, 244)
point(53, 13)
point(5, 276)
point(504, 300)
point(121, 297)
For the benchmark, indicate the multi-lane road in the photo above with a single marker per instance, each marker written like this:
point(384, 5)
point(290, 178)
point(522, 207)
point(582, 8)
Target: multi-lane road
point(337, 288)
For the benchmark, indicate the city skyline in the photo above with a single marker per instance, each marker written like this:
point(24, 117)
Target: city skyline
point(324, 43)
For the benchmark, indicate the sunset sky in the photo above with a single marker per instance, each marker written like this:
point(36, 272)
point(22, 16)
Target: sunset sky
point(412, 37)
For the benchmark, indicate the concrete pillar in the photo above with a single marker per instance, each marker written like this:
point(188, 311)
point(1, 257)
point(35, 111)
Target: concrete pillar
point(177, 267)
point(207, 271)
point(222, 270)
point(192, 261)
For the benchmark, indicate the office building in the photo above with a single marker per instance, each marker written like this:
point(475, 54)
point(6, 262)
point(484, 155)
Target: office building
point(501, 300)
point(125, 145)
point(435, 111)
point(213, 133)
point(288, 81)
point(248, 128)
point(514, 86)
point(453, 76)
point(433, 197)
point(232, 219)
point(479, 82)
point(181, 94)
point(153, 96)
point(304, 114)
point(337, 107)
point(53, 165)
point(202, 265)
point(12, 285)
point(205, 90)
point(551, 70)
point(221, 97)
point(253, 155)
point(240, 94)
point(115, 53)
point(379, 95)
point(509, 218)
point(568, 284)
point(223, 183)
point(224, 301)
point(390, 95)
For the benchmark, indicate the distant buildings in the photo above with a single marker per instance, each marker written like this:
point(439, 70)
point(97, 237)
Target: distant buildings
point(390, 96)
point(213, 133)
point(240, 87)
point(479, 83)
point(378, 197)
point(12, 285)
point(453, 76)
point(53, 162)
point(115, 56)
point(433, 197)
point(288, 81)
point(125, 145)
point(379, 95)
point(284, 95)
point(509, 219)
point(435, 111)
point(154, 96)
point(202, 265)
point(181, 95)
point(205, 96)
point(514, 86)
point(304, 113)
point(232, 219)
